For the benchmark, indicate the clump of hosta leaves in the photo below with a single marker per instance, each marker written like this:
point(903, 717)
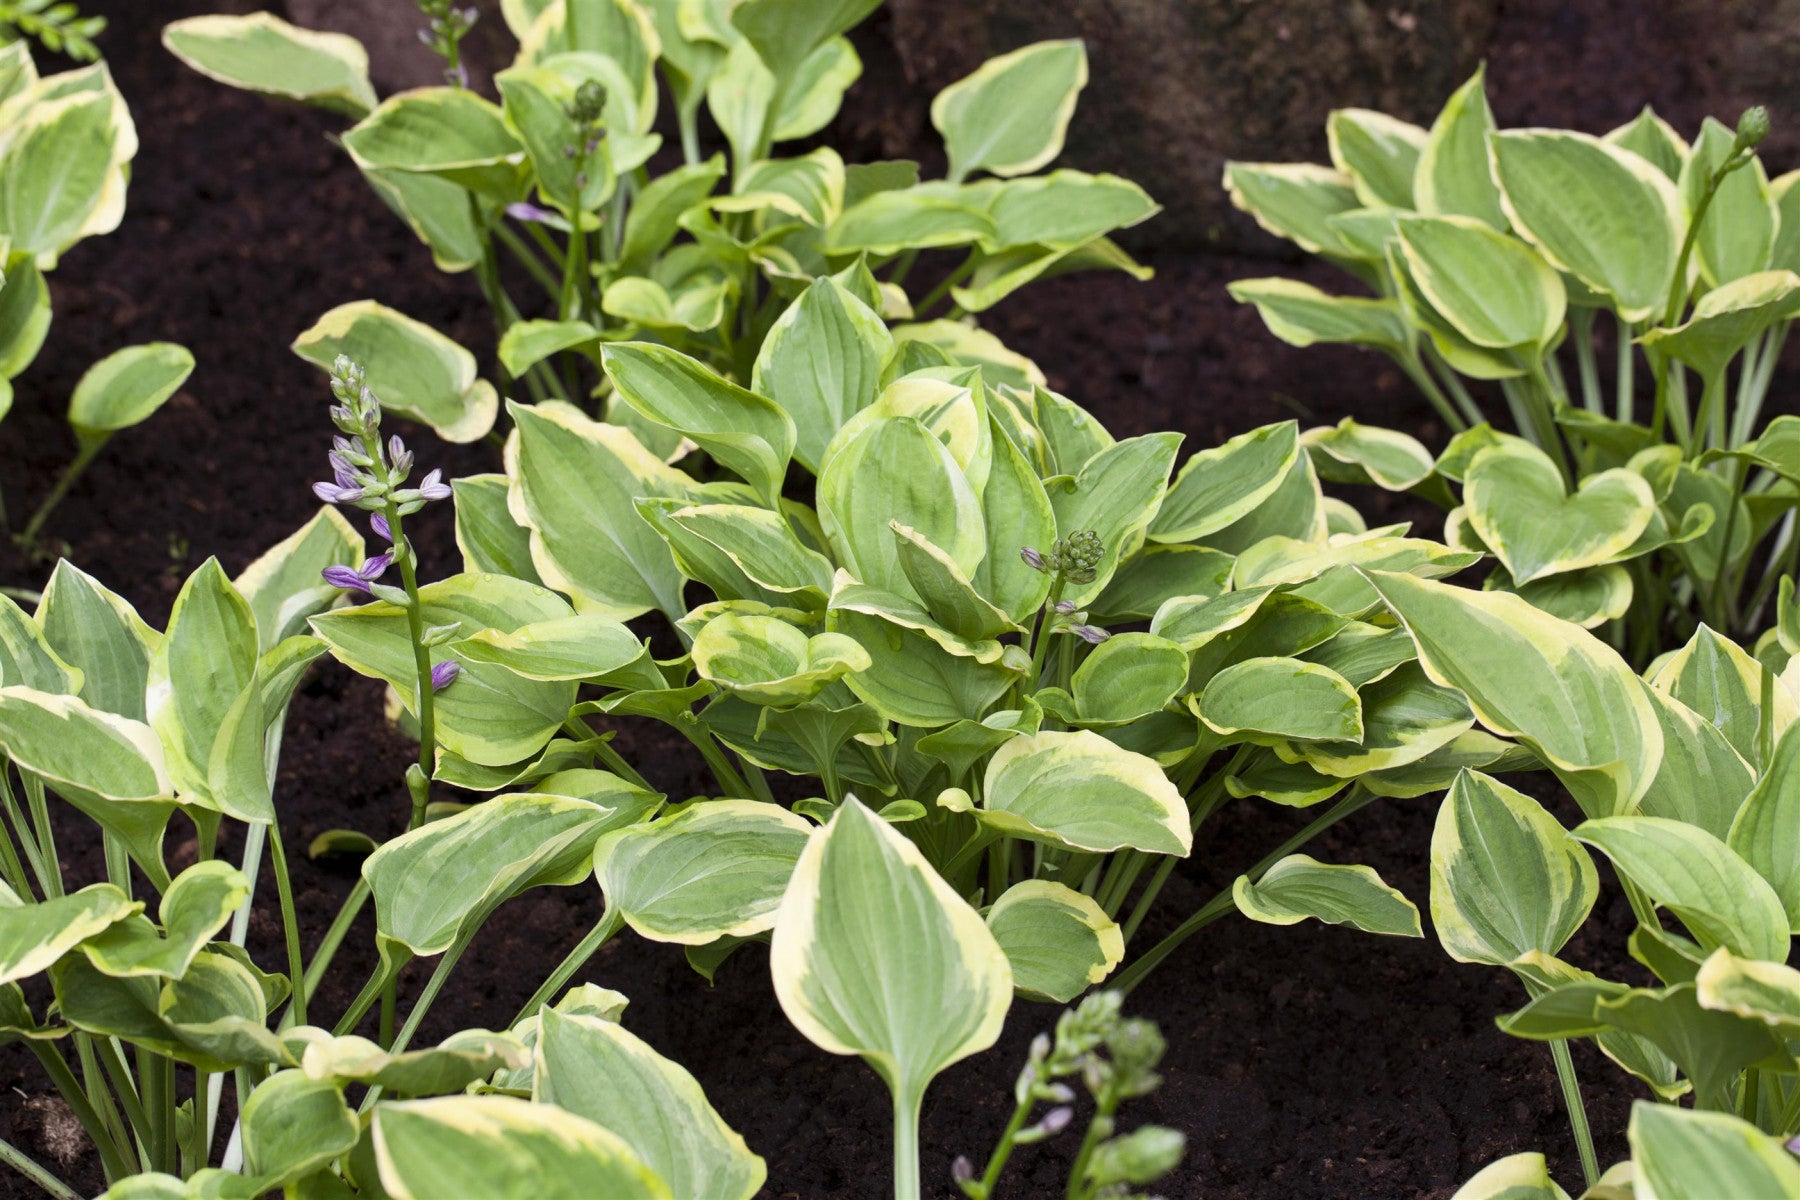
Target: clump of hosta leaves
point(1115, 1058)
point(1654, 499)
point(708, 256)
point(72, 127)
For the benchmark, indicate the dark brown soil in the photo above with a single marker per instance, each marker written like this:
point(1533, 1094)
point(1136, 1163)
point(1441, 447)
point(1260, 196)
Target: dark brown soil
point(1303, 1062)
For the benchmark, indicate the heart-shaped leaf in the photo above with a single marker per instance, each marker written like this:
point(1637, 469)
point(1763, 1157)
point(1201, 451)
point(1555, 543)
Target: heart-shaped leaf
point(1009, 117)
point(1059, 942)
point(1080, 791)
point(1518, 505)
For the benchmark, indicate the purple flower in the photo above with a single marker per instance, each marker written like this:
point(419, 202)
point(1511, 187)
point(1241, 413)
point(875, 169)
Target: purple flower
point(522, 211)
point(1065, 606)
point(1032, 558)
point(1056, 1120)
point(444, 674)
point(361, 577)
point(337, 493)
point(1089, 634)
point(433, 487)
point(379, 524)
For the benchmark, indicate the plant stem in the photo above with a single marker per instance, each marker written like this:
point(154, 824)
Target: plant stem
point(1096, 1131)
point(609, 924)
point(722, 770)
point(962, 272)
point(1581, 332)
point(528, 258)
point(27, 840)
point(58, 1069)
point(90, 448)
point(114, 1063)
point(415, 626)
point(328, 948)
point(1578, 1122)
point(906, 1145)
point(20, 1162)
point(1003, 1149)
point(1222, 903)
point(290, 923)
point(439, 976)
point(1625, 384)
point(384, 973)
point(46, 835)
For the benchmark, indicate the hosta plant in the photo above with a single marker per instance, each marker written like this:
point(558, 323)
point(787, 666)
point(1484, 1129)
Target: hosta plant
point(66, 145)
point(1512, 258)
point(1683, 778)
point(703, 253)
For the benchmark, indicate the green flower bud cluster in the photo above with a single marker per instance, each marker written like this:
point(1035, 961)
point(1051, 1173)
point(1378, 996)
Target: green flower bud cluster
point(1076, 557)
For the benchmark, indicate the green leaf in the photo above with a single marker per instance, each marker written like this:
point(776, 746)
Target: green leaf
point(785, 35)
point(1701, 779)
point(206, 662)
point(597, 1069)
point(1156, 575)
point(1715, 678)
point(1729, 318)
point(416, 371)
point(194, 908)
point(489, 715)
point(896, 469)
point(742, 552)
point(1300, 886)
point(1010, 116)
point(1600, 213)
point(1082, 792)
point(446, 132)
point(1737, 234)
point(465, 1057)
point(1059, 942)
point(1766, 829)
point(715, 869)
point(893, 222)
point(575, 486)
point(1302, 315)
point(436, 210)
point(941, 583)
point(1404, 716)
point(746, 432)
point(1518, 506)
point(96, 632)
point(505, 1148)
point(1065, 209)
point(1453, 178)
point(283, 585)
point(1506, 879)
point(26, 657)
point(1350, 452)
point(821, 361)
point(816, 90)
point(1379, 153)
point(260, 52)
point(434, 886)
point(294, 1124)
point(490, 539)
point(1651, 137)
point(583, 647)
point(537, 101)
point(24, 316)
point(126, 387)
point(1680, 1154)
point(1294, 201)
point(1717, 895)
point(1282, 698)
point(874, 954)
point(32, 936)
point(765, 660)
point(1761, 991)
point(58, 159)
point(1220, 486)
point(1128, 676)
point(527, 343)
point(918, 675)
point(1494, 289)
point(1515, 1177)
point(1116, 493)
point(1528, 676)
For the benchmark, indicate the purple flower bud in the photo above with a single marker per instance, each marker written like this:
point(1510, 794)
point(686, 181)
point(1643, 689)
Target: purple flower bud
point(396, 448)
point(962, 1170)
point(444, 674)
point(337, 493)
point(373, 568)
point(1032, 558)
point(379, 524)
point(1062, 1093)
point(1065, 606)
point(433, 487)
point(346, 578)
point(1090, 634)
point(1056, 1120)
point(523, 211)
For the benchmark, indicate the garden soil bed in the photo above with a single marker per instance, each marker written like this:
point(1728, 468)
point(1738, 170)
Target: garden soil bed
point(1303, 1062)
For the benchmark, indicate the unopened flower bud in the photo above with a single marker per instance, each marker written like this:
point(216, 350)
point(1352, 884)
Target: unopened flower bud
point(1033, 558)
point(444, 674)
point(1752, 128)
point(962, 1170)
point(1091, 634)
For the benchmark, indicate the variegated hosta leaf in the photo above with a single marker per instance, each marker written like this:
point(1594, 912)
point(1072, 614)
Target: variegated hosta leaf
point(1766, 828)
point(767, 661)
point(488, 535)
point(918, 674)
point(586, 646)
point(1379, 153)
point(27, 658)
point(1506, 879)
point(195, 907)
point(1654, 139)
point(1701, 780)
point(32, 936)
point(715, 869)
point(60, 157)
point(1453, 177)
point(1300, 886)
point(945, 588)
point(1737, 235)
point(1515, 1177)
point(1349, 452)
point(97, 632)
point(1082, 792)
point(449, 133)
point(504, 1147)
point(1059, 942)
point(1330, 574)
point(1600, 213)
point(1116, 493)
point(1294, 201)
point(1405, 717)
point(1729, 318)
point(1700, 879)
point(283, 587)
point(1681, 1154)
point(1492, 288)
point(214, 1016)
point(1715, 678)
point(1518, 505)
point(1528, 676)
point(821, 361)
point(489, 715)
point(294, 1124)
point(1302, 315)
point(875, 955)
point(1763, 991)
point(126, 387)
point(742, 552)
point(108, 766)
point(1009, 117)
point(597, 1069)
point(1280, 698)
point(415, 370)
point(435, 885)
point(262, 53)
point(1588, 598)
point(1128, 676)
point(464, 1057)
point(1221, 485)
